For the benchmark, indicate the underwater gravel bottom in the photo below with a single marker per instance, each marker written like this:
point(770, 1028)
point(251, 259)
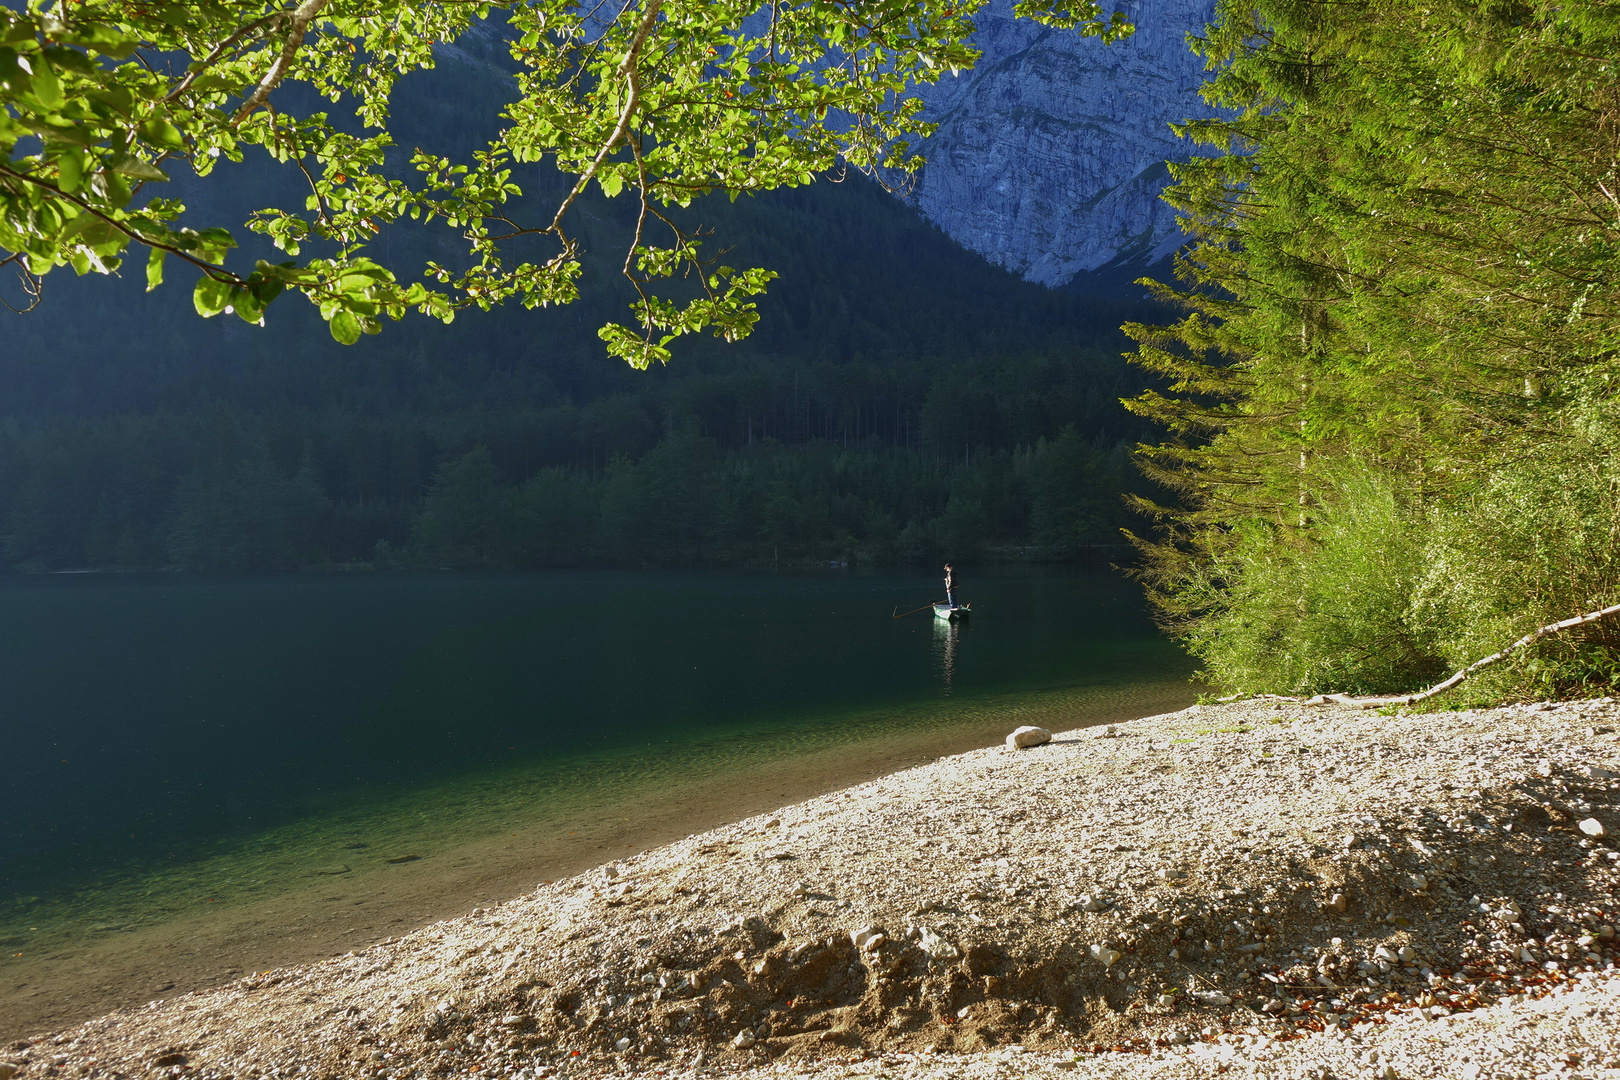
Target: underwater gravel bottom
point(387, 861)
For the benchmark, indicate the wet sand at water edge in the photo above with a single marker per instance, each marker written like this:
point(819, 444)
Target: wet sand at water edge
point(319, 915)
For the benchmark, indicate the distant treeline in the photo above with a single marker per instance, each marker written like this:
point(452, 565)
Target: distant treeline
point(608, 483)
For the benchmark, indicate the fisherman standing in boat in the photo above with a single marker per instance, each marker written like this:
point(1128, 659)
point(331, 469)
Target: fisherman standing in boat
point(950, 585)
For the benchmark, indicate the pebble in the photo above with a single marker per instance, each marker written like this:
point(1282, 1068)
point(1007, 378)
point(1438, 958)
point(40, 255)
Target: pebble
point(622, 1045)
point(937, 947)
point(1337, 904)
point(744, 1039)
point(1211, 997)
point(1593, 827)
point(866, 938)
point(1024, 737)
point(1104, 955)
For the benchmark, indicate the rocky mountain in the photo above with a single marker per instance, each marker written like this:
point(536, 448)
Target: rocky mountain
point(1050, 154)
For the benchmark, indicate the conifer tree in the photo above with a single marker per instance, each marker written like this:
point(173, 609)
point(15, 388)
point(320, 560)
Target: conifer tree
point(1403, 289)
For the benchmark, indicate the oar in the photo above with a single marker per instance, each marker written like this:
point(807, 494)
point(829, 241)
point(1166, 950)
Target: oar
point(913, 611)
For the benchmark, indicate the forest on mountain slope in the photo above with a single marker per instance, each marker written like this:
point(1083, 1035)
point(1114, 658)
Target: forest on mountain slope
point(900, 400)
point(1393, 393)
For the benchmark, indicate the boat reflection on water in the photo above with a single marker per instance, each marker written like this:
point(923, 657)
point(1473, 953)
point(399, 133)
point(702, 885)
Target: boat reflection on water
point(947, 634)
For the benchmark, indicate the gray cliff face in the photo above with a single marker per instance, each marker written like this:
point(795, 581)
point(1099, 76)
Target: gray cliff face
point(1050, 154)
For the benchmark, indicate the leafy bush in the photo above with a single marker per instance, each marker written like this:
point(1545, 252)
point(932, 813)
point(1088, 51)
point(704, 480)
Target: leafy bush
point(1384, 595)
point(1331, 613)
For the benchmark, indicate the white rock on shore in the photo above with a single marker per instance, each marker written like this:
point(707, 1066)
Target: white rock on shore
point(1025, 737)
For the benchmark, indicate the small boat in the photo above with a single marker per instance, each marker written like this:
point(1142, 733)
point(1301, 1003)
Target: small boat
point(947, 611)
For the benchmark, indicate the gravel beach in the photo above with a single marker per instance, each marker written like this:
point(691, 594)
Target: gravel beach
point(1261, 889)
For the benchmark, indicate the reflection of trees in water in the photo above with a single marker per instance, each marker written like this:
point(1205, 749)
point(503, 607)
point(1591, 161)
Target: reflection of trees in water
point(947, 632)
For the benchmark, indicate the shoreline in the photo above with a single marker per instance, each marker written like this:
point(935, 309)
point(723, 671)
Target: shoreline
point(74, 980)
point(1257, 884)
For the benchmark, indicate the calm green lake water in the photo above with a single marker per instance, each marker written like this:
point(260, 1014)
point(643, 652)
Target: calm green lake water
point(157, 726)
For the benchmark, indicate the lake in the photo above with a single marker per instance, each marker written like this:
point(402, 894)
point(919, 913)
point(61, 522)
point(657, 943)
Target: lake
point(182, 752)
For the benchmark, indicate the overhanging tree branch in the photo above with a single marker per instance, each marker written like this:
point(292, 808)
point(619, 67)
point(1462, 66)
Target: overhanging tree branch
point(298, 23)
point(628, 69)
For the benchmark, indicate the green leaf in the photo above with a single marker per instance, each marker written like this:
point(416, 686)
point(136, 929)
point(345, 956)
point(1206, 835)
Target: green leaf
point(154, 268)
point(12, 76)
point(107, 41)
point(70, 170)
point(208, 83)
point(160, 132)
point(63, 59)
point(345, 328)
point(249, 308)
point(91, 231)
point(47, 87)
point(110, 186)
point(211, 296)
point(56, 134)
point(130, 165)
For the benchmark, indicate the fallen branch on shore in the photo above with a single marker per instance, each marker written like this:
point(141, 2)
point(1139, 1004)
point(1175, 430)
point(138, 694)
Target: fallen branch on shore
point(1377, 702)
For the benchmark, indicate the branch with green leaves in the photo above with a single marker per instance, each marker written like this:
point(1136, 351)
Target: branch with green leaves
point(102, 101)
